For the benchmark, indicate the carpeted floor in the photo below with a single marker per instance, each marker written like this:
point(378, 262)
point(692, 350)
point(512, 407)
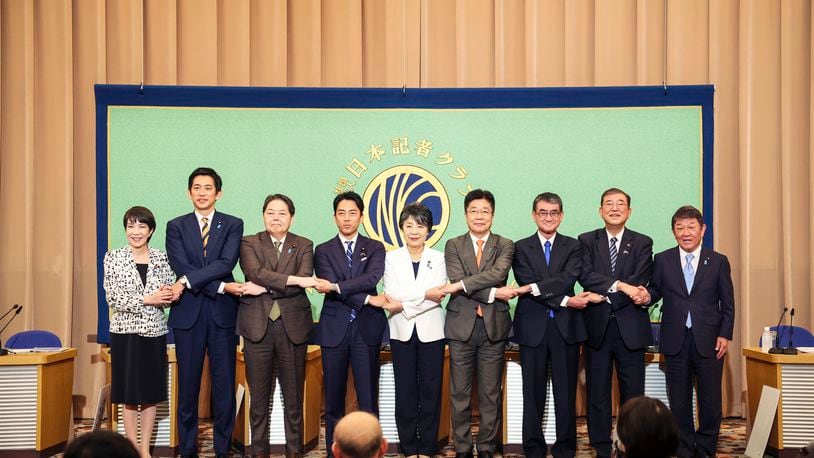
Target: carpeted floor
point(731, 443)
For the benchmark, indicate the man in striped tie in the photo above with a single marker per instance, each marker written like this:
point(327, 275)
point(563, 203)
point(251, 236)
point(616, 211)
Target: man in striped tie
point(348, 268)
point(616, 261)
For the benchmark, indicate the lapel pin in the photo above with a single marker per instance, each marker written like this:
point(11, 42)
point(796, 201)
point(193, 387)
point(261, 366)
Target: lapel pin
point(626, 252)
point(362, 254)
point(429, 263)
point(220, 224)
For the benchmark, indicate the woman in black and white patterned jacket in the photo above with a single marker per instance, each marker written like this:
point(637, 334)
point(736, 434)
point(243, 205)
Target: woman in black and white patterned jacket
point(137, 284)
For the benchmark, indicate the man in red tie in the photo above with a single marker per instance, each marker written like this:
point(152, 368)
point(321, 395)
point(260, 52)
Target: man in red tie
point(477, 323)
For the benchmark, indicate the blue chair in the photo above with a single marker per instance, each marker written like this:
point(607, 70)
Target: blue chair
point(802, 337)
point(33, 338)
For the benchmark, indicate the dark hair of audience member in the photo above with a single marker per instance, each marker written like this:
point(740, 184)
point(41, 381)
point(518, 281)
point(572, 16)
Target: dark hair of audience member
point(101, 444)
point(647, 429)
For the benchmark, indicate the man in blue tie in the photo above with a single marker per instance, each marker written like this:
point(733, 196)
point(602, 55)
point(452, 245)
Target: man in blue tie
point(615, 262)
point(698, 317)
point(549, 326)
point(348, 267)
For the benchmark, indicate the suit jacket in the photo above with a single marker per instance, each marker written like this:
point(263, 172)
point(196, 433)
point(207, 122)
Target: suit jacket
point(554, 281)
point(355, 285)
point(204, 274)
point(125, 292)
point(711, 301)
point(425, 316)
point(260, 265)
point(478, 281)
point(634, 262)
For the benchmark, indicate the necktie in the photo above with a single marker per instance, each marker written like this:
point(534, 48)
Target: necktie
point(275, 307)
point(205, 233)
point(612, 250)
point(689, 279)
point(349, 255)
point(547, 252)
point(547, 247)
point(478, 257)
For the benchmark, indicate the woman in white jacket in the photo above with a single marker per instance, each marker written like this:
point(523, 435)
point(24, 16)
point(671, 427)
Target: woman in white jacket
point(413, 277)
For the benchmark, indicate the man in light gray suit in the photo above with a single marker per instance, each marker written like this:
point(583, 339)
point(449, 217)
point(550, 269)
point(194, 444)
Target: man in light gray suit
point(478, 323)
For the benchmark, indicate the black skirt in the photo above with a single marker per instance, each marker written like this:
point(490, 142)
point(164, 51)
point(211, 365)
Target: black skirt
point(138, 369)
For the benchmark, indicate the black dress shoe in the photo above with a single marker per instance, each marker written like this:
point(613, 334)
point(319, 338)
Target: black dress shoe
point(485, 455)
point(463, 455)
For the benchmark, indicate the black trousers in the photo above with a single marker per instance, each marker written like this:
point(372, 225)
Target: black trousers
point(563, 359)
point(599, 365)
point(681, 369)
point(418, 369)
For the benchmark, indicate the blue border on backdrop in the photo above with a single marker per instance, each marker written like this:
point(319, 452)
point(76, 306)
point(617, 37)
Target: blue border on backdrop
point(262, 97)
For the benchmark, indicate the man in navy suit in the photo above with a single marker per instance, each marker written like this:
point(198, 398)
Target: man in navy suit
point(549, 326)
point(348, 267)
point(698, 316)
point(203, 249)
point(615, 262)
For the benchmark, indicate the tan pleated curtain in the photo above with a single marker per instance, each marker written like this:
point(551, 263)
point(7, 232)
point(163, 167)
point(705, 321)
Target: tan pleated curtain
point(757, 53)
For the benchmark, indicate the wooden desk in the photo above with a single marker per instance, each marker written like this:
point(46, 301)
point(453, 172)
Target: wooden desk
point(165, 433)
point(311, 409)
point(792, 375)
point(35, 403)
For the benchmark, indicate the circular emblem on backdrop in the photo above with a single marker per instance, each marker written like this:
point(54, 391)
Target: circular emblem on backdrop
point(390, 191)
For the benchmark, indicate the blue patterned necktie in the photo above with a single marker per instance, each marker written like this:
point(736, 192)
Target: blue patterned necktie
point(547, 246)
point(689, 279)
point(612, 250)
point(349, 255)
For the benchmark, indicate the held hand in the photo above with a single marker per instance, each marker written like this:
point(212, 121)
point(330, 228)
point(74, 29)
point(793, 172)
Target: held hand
point(505, 293)
point(642, 297)
point(253, 289)
point(323, 286)
point(377, 301)
point(721, 346)
point(580, 301)
point(436, 294)
point(307, 282)
point(393, 305)
point(233, 288)
point(177, 289)
point(158, 298)
point(451, 288)
point(595, 298)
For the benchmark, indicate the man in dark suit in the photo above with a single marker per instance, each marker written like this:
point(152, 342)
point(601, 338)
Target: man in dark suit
point(478, 323)
point(615, 262)
point(348, 267)
point(203, 249)
point(275, 320)
point(549, 326)
point(698, 316)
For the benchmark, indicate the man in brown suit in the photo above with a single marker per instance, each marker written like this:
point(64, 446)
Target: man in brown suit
point(274, 317)
point(477, 323)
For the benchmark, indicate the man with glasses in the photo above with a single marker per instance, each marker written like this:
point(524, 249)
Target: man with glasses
point(549, 326)
point(616, 263)
point(477, 323)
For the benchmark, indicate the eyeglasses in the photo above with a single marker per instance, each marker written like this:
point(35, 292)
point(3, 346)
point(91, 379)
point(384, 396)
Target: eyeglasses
point(553, 214)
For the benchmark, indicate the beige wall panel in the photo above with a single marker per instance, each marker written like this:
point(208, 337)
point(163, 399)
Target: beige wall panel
point(88, 69)
point(688, 42)
point(579, 43)
point(304, 43)
point(796, 182)
point(341, 43)
point(197, 42)
point(438, 46)
point(16, 157)
point(650, 42)
point(723, 68)
point(510, 44)
point(545, 27)
point(810, 323)
point(475, 35)
point(268, 42)
point(233, 42)
point(52, 229)
point(160, 42)
point(615, 43)
point(124, 47)
point(761, 216)
point(377, 34)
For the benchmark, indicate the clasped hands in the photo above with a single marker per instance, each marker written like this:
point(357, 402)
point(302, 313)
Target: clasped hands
point(251, 288)
point(164, 295)
point(638, 294)
point(392, 305)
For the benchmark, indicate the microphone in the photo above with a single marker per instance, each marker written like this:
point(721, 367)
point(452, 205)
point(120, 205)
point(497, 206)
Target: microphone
point(791, 350)
point(3, 351)
point(13, 308)
point(776, 348)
